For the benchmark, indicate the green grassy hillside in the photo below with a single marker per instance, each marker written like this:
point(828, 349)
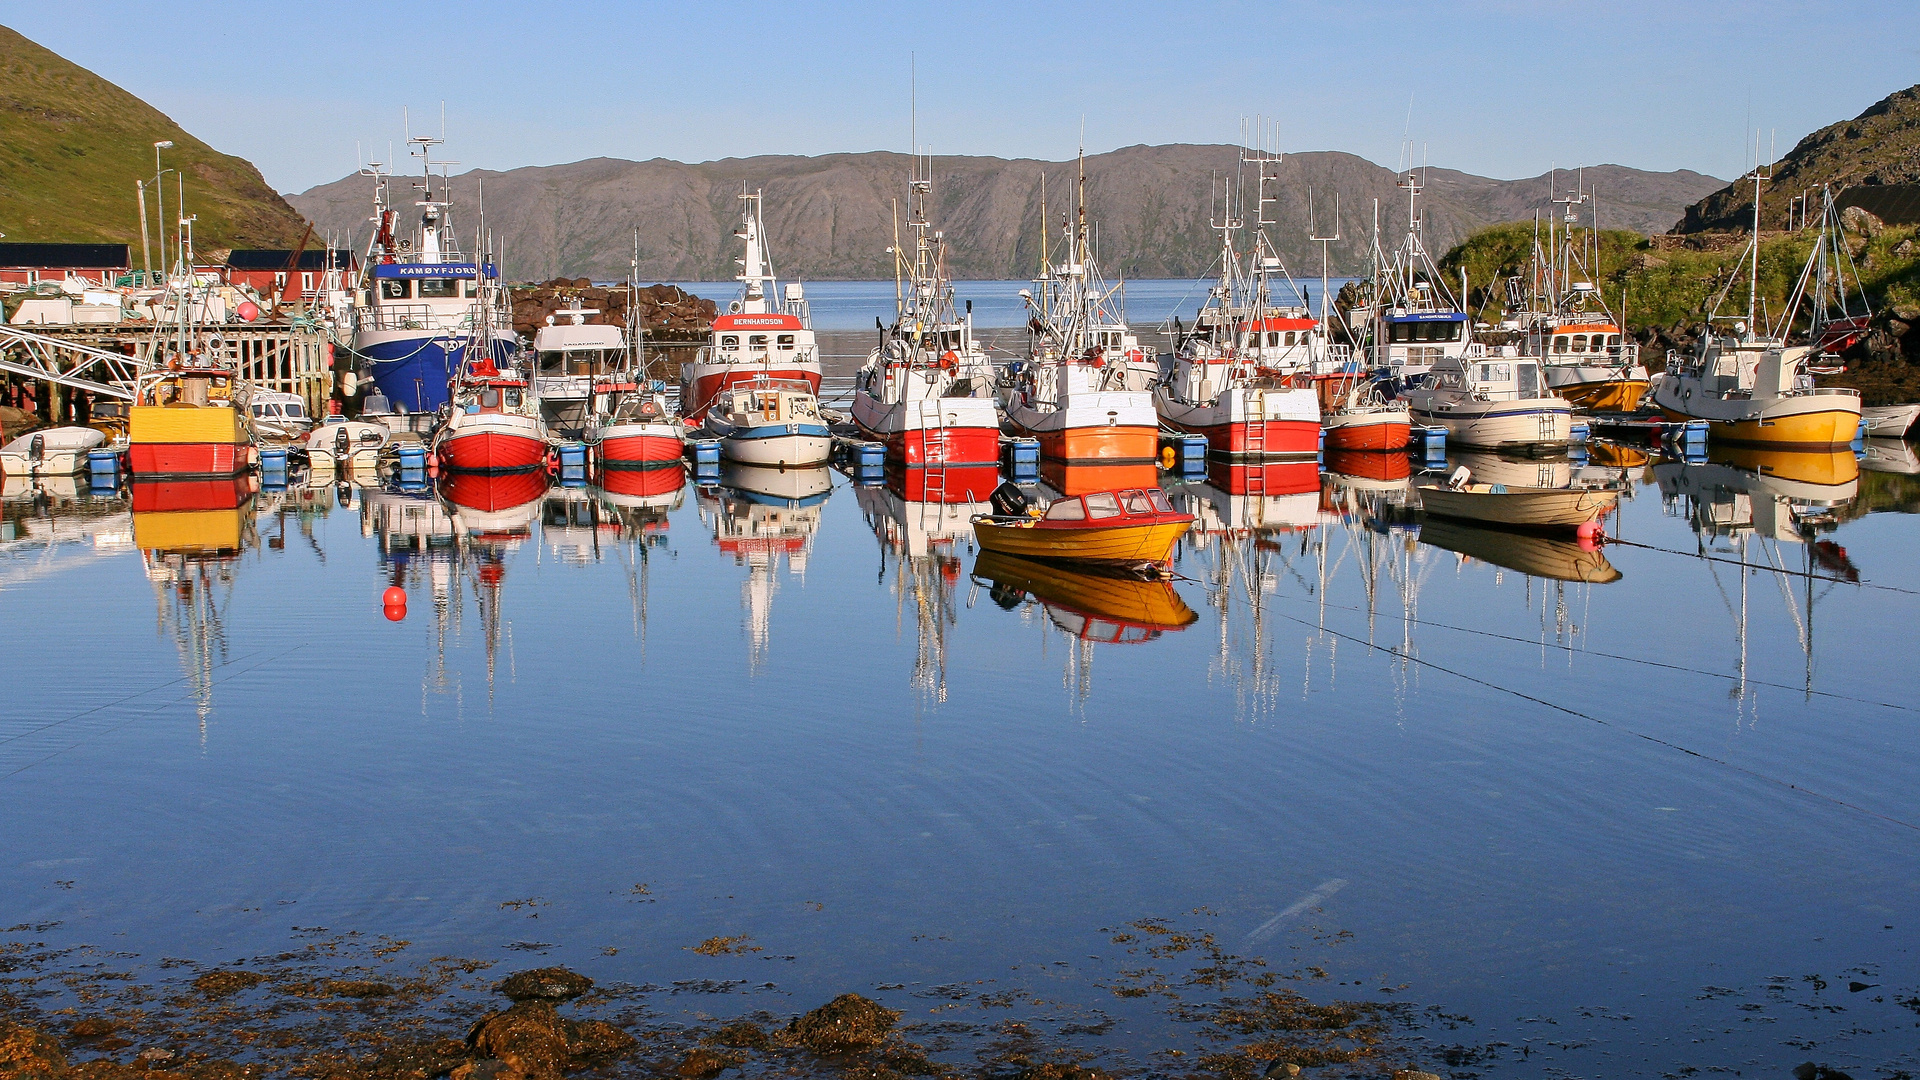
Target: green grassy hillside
point(72, 144)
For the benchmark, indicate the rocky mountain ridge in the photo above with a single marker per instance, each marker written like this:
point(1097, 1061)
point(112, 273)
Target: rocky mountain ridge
point(831, 217)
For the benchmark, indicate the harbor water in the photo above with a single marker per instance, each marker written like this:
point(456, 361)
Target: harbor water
point(1572, 812)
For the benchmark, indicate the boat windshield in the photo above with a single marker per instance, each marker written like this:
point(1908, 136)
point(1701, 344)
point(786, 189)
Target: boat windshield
point(1103, 504)
point(1066, 510)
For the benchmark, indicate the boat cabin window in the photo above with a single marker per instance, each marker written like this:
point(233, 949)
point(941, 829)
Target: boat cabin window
point(1613, 340)
point(1066, 510)
point(785, 341)
point(295, 410)
point(1529, 384)
point(1103, 504)
point(1137, 502)
point(395, 288)
point(1159, 500)
point(1496, 373)
point(490, 398)
point(1437, 330)
point(439, 288)
point(1560, 343)
point(729, 341)
point(756, 341)
point(1579, 343)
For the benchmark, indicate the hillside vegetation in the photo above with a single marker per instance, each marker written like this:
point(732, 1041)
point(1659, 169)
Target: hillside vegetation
point(72, 144)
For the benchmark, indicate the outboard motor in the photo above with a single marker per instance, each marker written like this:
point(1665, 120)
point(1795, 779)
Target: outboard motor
point(1008, 500)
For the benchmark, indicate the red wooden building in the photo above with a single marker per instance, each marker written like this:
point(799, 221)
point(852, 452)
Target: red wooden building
point(269, 271)
point(25, 264)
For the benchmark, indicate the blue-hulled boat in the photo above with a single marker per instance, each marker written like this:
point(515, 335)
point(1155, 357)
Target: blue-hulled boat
point(421, 304)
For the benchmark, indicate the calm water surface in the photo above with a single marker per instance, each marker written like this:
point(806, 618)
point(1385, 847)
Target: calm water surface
point(1657, 816)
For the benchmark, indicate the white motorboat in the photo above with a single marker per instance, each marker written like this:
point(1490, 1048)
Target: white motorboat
point(770, 422)
point(1492, 402)
point(1890, 421)
point(279, 417)
point(341, 443)
point(60, 451)
point(572, 358)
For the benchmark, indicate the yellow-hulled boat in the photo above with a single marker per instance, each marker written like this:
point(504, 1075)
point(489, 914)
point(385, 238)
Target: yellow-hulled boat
point(1091, 605)
point(1130, 526)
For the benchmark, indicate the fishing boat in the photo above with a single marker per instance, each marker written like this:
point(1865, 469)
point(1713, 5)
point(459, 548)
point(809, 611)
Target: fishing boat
point(1408, 320)
point(769, 422)
point(754, 339)
point(60, 451)
point(1106, 609)
point(1082, 388)
point(1366, 420)
point(1751, 386)
point(1514, 506)
point(926, 390)
point(572, 361)
point(1241, 376)
point(632, 424)
point(1559, 317)
point(494, 425)
point(189, 418)
point(422, 309)
point(1890, 421)
point(1492, 402)
point(341, 444)
point(1135, 526)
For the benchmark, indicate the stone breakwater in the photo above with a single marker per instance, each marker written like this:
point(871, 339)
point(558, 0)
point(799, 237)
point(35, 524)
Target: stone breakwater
point(668, 313)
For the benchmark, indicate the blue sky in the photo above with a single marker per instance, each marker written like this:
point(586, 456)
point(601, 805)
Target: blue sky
point(1501, 89)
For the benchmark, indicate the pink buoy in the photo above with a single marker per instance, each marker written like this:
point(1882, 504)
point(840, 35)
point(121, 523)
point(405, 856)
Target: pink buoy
point(1588, 530)
point(248, 311)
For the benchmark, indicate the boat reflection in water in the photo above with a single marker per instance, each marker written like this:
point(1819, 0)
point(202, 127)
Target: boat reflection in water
point(190, 534)
point(1744, 504)
point(1531, 554)
point(492, 516)
point(1089, 607)
point(761, 514)
point(54, 524)
point(922, 520)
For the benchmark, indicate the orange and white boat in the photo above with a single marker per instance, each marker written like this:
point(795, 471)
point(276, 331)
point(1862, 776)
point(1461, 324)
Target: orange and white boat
point(1242, 376)
point(758, 337)
point(1083, 388)
point(926, 390)
point(1565, 322)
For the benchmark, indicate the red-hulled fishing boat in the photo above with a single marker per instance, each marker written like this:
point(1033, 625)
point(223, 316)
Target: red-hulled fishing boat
point(495, 426)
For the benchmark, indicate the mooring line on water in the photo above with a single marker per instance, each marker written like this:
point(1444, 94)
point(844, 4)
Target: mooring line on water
point(1655, 739)
point(1532, 642)
point(1610, 541)
point(141, 716)
point(121, 701)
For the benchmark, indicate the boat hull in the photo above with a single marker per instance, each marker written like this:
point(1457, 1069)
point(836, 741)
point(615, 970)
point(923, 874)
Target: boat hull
point(1113, 427)
point(1527, 508)
point(1524, 426)
point(639, 446)
point(414, 369)
point(1602, 395)
point(702, 383)
point(1387, 430)
point(964, 431)
point(791, 445)
point(171, 440)
point(950, 485)
point(485, 450)
point(1813, 430)
point(1538, 556)
point(1121, 544)
point(1247, 422)
point(1890, 421)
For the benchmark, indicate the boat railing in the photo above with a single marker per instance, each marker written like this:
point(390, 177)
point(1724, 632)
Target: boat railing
point(413, 317)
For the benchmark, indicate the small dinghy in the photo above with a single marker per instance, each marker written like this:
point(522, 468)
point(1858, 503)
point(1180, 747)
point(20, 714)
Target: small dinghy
point(1514, 506)
point(1132, 527)
point(60, 451)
